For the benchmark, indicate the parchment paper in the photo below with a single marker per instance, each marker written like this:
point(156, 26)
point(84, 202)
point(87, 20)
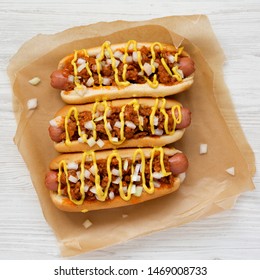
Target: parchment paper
point(207, 189)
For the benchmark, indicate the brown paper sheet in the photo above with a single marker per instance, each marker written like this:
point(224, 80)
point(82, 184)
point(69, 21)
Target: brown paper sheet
point(207, 189)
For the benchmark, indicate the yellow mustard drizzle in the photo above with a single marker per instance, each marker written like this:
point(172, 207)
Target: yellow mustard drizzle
point(180, 49)
point(129, 43)
point(109, 160)
point(63, 166)
point(106, 48)
point(76, 116)
point(159, 103)
point(166, 117)
point(101, 194)
point(121, 117)
point(154, 109)
point(94, 110)
point(87, 63)
point(163, 171)
point(75, 69)
point(136, 106)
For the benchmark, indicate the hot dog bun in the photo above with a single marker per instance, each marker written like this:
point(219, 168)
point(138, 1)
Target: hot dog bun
point(66, 204)
point(125, 87)
point(113, 92)
point(145, 141)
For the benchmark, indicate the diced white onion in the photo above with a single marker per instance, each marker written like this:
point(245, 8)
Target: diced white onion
point(135, 57)
point(109, 126)
point(99, 119)
point(98, 55)
point(141, 73)
point(93, 190)
point(139, 190)
point(203, 148)
point(137, 168)
point(53, 123)
point(156, 64)
point(181, 73)
point(130, 124)
point(115, 172)
point(122, 58)
point(32, 103)
point(86, 188)
point(87, 174)
point(92, 169)
point(91, 141)
point(89, 125)
point(106, 81)
point(81, 61)
point(118, 124)
point(111, 195)
point(155, 121)
point(231, 171)
point(72, 165)
point(118, 54)
point(156, 184)
point(136, 178)
point(157, 175)
point(78, 174)
point(71, 78)
point(81, 67)
point(114, 139)
point(182, 176)
point(125, 165)
point(87, 224)
point(73, 179)
point(109, 61)
point(117, 62)
point(133, 189)
point(34, 81)
point(100, 143)
point(129, 59)
point(158, 131)
point(147, 69)
point(170, 58)
point(117, 180)
point(80, 90)
point(97, 114)
point(90, 82)
point(124, 189)
point(80, 140)
point(56, 121)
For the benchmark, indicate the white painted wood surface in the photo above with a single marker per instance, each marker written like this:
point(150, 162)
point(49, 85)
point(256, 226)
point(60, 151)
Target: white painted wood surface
point(234, 234)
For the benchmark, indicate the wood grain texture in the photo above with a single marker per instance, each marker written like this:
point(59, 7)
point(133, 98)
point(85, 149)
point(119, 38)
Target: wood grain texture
point(234, 234)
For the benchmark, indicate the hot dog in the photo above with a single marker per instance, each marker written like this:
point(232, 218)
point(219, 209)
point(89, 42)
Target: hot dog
point(121, 123)
point(122, 71)
point(108, 179)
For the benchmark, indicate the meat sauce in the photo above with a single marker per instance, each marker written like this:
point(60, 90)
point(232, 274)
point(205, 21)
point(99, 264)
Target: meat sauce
point(134, 74)
point(130, 114)
point(114, 186)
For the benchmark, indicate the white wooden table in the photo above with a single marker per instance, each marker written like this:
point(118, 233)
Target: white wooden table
point(234, 234)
